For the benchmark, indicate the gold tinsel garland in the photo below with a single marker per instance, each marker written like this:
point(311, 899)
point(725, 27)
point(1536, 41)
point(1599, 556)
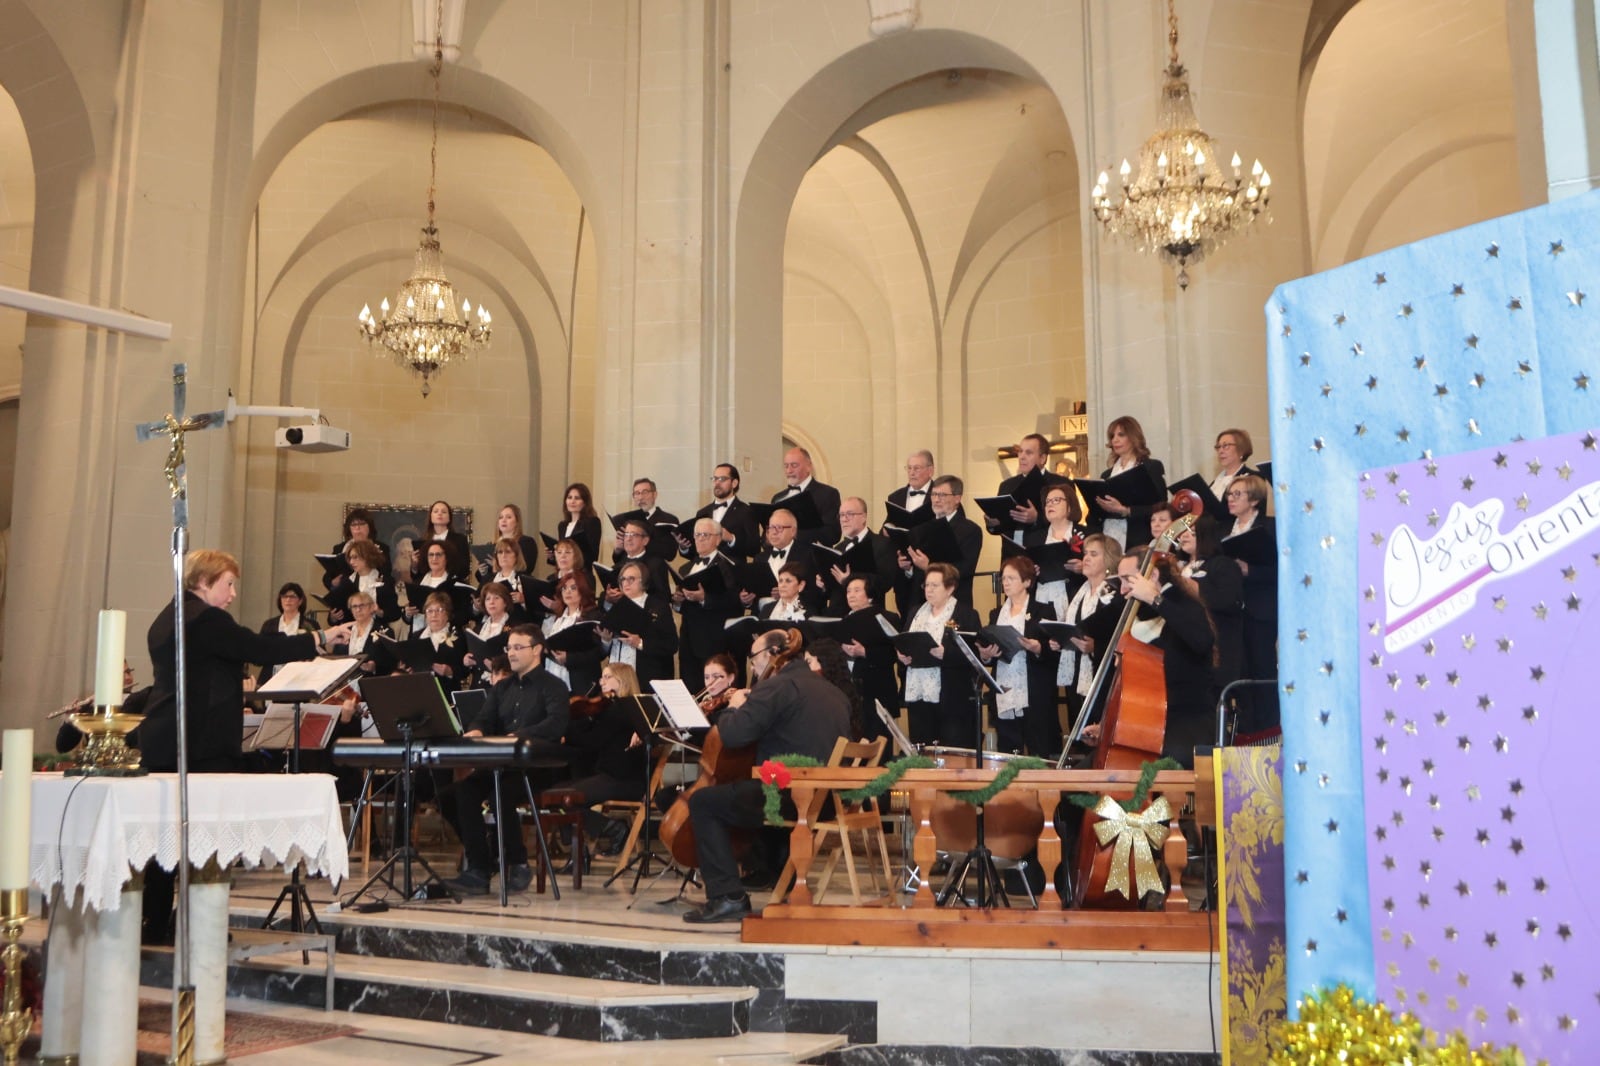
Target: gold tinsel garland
point(1340, 1027)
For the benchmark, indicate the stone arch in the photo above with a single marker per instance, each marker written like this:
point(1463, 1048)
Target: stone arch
point(829, 107)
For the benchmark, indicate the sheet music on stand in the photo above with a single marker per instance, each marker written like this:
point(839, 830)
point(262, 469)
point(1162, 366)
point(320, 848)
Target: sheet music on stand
point(275, 730)
point(322, 676)
point(902, 743)
point(678, 702)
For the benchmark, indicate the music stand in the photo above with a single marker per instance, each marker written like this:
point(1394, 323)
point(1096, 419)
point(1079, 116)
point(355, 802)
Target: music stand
point(978, 857)
point(648, 716)
point(407, 708)
point(302, 915)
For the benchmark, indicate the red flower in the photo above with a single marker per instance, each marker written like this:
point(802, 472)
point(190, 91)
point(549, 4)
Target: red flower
point(775, 773)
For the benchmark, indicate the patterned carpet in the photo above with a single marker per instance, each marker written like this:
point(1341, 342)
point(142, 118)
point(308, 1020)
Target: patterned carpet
point(244, 1034)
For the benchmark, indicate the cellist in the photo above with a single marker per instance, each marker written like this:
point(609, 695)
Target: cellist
point(790, 711)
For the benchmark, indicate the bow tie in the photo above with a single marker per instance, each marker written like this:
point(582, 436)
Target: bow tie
point(780, 553)
point(915, 492)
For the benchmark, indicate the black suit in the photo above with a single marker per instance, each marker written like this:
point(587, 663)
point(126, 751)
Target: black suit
point(703, 633)
point(739, 522)
point(826, 499)
point(1222, 588)
point(1010, 486)
point(1261, 639)
point(882, 576)
point(587, 536)
point(969, 538)
point(899, 496)
point(1139, 515)
point(874, 675)
point(800, 555)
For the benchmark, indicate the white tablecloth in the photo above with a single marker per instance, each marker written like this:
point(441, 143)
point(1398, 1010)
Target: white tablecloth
point(95, 831)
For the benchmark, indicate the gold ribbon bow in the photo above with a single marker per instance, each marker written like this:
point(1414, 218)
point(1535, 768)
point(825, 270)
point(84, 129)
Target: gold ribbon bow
point(1135, 835)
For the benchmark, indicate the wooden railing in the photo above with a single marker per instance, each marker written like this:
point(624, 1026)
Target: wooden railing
point(799, 918)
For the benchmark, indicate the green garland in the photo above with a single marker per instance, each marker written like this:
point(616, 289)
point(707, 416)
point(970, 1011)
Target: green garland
point(1141, 791)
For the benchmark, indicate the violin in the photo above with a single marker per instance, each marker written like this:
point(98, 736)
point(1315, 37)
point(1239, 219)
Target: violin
point(589, 705)
point(710, 705)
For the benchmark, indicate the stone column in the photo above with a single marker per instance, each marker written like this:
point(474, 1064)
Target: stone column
point(1568, 50)
point(111, 981)
point(62, 1021)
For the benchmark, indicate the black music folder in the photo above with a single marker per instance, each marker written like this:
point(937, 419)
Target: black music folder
point(582, 635)
point(709, 578)
point(1007, 639)
point(1256, 546)
point(416, 653)
point(607, 576)
point(1052, 559)
point(934, 539)
point(332, 565)
point(1060, 632)
point(1134, 488)
point(801, 505)
point(919, 646)
point(904, 519)
point(858, 558)
point(483, 555)
point(484, 650)
point(625, 616)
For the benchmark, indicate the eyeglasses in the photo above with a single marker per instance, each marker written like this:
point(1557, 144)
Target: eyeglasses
point(781, 529)
point(1238, 495)
point(852, 514)
point(629, 579)
point(520, 647)
point(434, 610)
point(720, 477)
point(941, 494)
point(1221, 444)
point(632, 535)
point(703, 533)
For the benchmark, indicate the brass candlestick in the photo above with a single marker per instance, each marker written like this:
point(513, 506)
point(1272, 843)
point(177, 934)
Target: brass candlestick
point(105, 750)
point(16, 1021)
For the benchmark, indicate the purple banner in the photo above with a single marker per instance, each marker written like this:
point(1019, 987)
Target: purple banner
point(1480, 614)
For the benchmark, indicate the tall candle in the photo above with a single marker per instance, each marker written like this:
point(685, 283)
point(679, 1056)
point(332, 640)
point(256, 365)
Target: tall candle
point(16, 808)
point(108, 662)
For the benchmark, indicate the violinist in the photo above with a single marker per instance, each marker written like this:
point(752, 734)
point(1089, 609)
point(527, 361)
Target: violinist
point(578, 670)
point(1188, 644)
point(791, 710)
point(940, 705)
point(718, 677)
point(608, 760)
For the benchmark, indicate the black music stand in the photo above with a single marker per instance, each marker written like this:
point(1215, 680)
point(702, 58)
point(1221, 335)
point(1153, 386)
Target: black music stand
point(990, 889)
point(407, 708)
point(648, 716)
point(302, 916)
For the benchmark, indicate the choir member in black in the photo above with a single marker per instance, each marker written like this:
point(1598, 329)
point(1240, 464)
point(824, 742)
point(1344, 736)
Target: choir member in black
point(1222, 589)
point(659, 525)
point(1033, 453)
point(290, 620)
point(1233, 449)
point(1060, 526)
point(508, 526)
point(436, 576)
point(741, 536)
point(498, 617)
point(871, 656)
point(858, 540)
point(827, 659)
point(531, 705)
point(580, 523)
point(364, 628)
point(787, 607)
point(441, 527)
point(650, 651)
point(1129, 526)
point(919, 473)
point(216, 650)
point(1188, 651)
point(1161, 518)
point(783, 548)
point(369, 574)
point(797, 471)
point(608, 758)
point(634, 546)
point(1095, 609)
point(945, 499)
point(940, 703)
point(705, 614)
point(1246, 500)
point(1025, 712)
point(791, 712)
point(578, 670)
point(357, 528)
point(569, 559)
point(511, 569)
point(449, 647)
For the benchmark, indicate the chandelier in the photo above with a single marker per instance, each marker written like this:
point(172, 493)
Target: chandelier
point(1181, 207)
point(424, 330)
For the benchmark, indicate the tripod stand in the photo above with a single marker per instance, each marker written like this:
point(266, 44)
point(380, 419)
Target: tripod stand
point(990, 890)
point(302, 916)
point(404, 853)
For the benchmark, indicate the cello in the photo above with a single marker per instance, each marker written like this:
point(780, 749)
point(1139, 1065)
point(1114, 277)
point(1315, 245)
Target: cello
point(1131, 683)
point(718, 766)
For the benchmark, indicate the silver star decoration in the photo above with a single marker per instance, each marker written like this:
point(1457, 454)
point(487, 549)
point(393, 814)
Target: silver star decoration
point(1458, 289)
point(1467, 483)
point(1522, 502)
point(1569, 573)
point(1534, 467)
point(1472, 427)
point(1478, 380)
point(1317, 445)
point(1524, 368)
point(1564, 471)
point(1536, 673)
point(1403, 434)
point(1372, 383)
point(1515, 304)
point(1441, 390)
point(1405, 311)
point(1589, 441)
point(1433, 518)
point(1288, 412)
point(1500, 604)
point(1573, 603)
point(1286, 329)
point(1555, 248)
point(1357, 350)
point(1428, 648)
point(1540, 611)
point(1472, 340)
point(1381, 279)
point(1504, 644)
point(1493, 251)
point(1326, 389)
point(1582, 382)
point(1339, 319)
point(1432, 468)
point(1404, 496)
point(1361, 429)
point(1420, 362)
point(1576, 297)
point(1469, 641)
point(1500, 460)
point(1305, 358)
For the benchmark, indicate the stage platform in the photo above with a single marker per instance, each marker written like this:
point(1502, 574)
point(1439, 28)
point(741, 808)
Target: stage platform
point(626, 975)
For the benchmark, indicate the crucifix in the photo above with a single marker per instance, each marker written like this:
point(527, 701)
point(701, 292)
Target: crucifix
point(175, 426)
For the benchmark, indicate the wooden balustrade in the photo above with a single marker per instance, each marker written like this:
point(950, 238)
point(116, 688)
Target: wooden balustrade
point(800, 919)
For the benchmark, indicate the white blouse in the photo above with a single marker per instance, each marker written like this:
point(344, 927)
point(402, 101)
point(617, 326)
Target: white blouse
point(923, 682)
point(1012, 675)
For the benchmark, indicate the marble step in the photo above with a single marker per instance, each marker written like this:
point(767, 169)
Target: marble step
point(579, 1008)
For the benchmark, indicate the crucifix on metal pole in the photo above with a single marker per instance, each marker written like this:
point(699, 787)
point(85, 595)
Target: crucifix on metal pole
point(175, 426)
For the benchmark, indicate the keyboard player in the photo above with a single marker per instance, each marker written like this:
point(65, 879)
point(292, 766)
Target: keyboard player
point(531, 704)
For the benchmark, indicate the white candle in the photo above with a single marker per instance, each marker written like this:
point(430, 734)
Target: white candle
point(108, 663)
point(16, 813)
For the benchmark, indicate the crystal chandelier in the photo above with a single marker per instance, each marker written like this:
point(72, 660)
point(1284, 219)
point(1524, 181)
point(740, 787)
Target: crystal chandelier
point(1181, 207)
point(425, 330)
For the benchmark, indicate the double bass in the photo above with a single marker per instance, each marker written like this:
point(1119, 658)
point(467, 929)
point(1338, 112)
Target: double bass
point(718, 766)
point(1131, 684)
